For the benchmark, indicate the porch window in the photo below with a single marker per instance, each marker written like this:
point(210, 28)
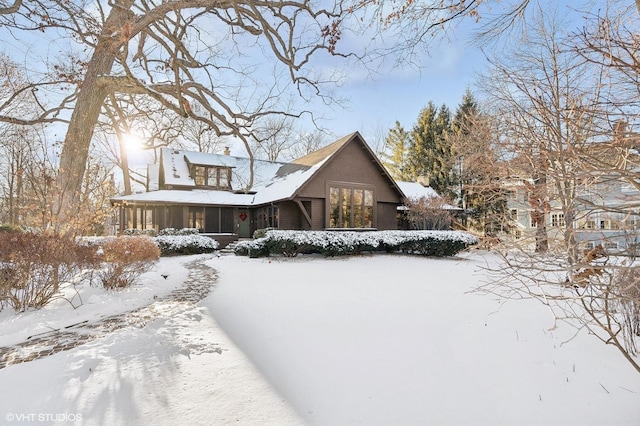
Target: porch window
point(350, 207)
point(196, 218)
point(140, 218)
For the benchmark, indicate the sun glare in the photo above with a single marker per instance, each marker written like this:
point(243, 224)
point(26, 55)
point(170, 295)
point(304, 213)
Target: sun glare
point(132, 142)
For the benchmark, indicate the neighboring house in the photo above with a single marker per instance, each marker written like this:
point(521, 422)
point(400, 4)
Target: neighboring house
point(341, 186)
point(607, 213)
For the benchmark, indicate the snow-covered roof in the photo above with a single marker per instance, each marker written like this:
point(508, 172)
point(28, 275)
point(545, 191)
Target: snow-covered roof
point(272, 181)
point(416, 190)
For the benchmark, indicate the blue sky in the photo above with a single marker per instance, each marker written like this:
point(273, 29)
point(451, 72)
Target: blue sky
point(375, 103)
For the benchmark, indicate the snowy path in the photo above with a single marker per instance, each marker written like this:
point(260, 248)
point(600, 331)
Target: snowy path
point(164, 364)
point(199, 282)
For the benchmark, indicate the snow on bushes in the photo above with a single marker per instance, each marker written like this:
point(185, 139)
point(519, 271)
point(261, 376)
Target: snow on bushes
point(185, 244)
point(335, 243)
point(173, 241)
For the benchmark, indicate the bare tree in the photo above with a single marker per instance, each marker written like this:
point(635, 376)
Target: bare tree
point(556, 108)
point(204, 53)
point(481, 168)
point(428, 213)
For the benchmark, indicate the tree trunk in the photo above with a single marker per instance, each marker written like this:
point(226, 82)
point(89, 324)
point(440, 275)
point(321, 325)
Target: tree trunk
point(85, 115)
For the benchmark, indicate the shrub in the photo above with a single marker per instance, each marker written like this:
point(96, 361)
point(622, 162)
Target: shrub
point(126, 258)
point(33, 267)
point(261, 233)
point(137, 232)
point(174, 231)
point(185, 244)
point(10, 228)
point(334, 243)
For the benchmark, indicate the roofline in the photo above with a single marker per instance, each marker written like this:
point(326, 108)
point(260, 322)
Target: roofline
point(351, 138)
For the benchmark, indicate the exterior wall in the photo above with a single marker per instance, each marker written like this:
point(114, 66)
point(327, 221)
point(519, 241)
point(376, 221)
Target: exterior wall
point(290, 216)
point(352, 165)
point(387, 216)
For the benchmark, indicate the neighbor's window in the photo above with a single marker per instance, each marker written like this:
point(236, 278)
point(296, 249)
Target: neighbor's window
point(350, 207)
point(557, 219)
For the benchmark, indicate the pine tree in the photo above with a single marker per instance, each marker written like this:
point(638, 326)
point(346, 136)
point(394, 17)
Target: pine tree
point(478, 167)
point(423, 144)
point(430, 151)
point(442, 174)
point(395, 155)
point(465, 112)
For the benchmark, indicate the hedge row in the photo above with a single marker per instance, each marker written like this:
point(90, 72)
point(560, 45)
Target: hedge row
point(337, 243)
point(172, 241)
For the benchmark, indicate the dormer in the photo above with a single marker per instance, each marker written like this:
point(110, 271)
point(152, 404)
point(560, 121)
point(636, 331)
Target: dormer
point(211, 177)
point(209, 171)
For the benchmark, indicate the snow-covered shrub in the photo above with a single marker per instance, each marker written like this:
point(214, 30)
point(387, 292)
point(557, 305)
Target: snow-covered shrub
point(126, 258)
point(334, 243)
point(252, 248)
point(261, 233)
point(34, 266)
point(185, 244)
point(135, 232)
point(174, 231)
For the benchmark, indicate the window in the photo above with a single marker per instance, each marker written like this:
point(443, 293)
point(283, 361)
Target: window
point(140, 218)
point(557, 220)
point(196, 218)
point(513, 215)
point(268, 217)
point(350, 207)
point(611, 245)
point(212, 176)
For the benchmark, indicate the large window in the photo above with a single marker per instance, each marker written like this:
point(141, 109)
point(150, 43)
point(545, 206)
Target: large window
point(212, 176)
point(350, 207)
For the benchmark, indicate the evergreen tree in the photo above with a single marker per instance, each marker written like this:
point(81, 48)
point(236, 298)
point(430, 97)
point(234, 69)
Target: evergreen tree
point(442, 173)
point(395, 154)
point(478, 166)
point(461, 127)
point(430, 151)
point(422, 147)
point(465, 112)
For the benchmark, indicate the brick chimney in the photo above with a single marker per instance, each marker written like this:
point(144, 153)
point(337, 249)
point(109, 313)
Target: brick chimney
point(226, 151)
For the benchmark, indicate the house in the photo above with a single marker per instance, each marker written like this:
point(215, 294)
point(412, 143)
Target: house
point(605, 209)
point(341, 186)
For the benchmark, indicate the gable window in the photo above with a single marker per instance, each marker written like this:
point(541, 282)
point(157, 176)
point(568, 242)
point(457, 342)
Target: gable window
point(350, 207)
point(212, 176)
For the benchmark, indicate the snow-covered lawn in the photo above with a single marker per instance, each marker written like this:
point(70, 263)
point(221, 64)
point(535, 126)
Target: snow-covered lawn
point(382, 339)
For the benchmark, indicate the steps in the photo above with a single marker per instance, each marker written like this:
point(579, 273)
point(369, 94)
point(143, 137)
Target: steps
point(229, 249)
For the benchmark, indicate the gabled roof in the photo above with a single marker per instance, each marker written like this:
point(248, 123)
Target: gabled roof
point(273, 181)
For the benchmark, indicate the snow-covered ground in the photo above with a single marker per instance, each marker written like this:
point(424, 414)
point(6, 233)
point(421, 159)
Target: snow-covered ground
point(383, 339)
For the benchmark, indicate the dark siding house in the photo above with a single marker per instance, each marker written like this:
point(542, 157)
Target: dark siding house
point(341, 186)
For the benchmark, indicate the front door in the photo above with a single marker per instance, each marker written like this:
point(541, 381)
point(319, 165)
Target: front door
point(244, 223)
